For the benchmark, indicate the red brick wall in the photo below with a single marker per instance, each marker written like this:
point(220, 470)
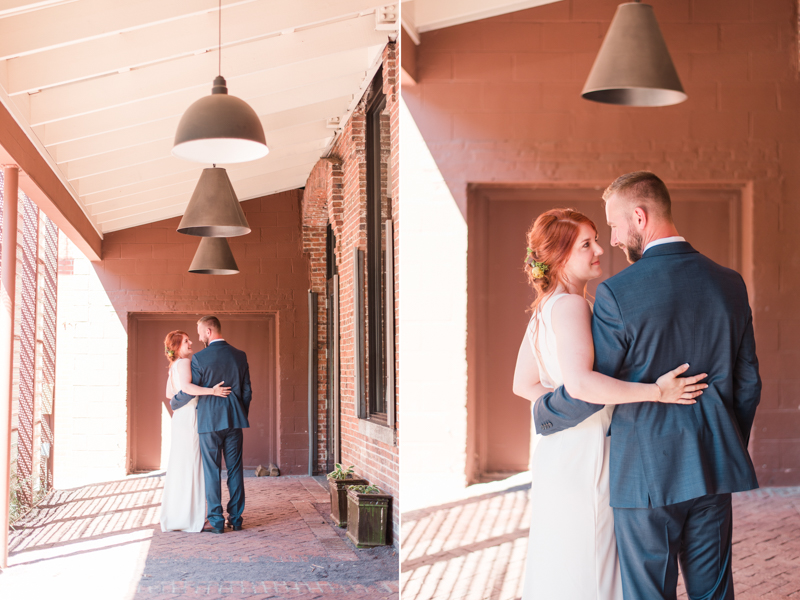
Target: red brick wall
point(145, 269)
point(498, 100)
point(322, 200)
point(336, 192)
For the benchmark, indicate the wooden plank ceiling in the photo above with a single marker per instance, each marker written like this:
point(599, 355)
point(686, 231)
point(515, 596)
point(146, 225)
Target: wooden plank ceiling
point(100, 85)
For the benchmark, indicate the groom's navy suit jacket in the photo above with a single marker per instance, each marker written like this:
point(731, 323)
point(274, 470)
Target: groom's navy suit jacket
point(220, 362)
point(671, 307)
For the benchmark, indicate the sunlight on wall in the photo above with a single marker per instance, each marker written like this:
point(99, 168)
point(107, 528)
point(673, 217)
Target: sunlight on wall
point(91, 377)
point(433, 322)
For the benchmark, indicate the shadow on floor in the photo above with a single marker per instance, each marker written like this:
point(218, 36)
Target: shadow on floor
point(106, 541)
point(469, 548)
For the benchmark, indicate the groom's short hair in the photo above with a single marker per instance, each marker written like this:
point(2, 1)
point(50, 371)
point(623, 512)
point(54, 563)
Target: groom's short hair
point(211, 322)
point(644, 187)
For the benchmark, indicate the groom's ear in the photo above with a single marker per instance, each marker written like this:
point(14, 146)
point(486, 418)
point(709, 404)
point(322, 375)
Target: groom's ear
point(640, 217)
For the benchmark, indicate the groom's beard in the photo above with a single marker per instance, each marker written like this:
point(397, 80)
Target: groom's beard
point(633, 246)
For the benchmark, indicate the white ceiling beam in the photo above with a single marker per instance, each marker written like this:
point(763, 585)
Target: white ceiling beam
point(286, 86)
point(269, 183)
point(170, 40)
point(135, 192)
point(437, 14)
point(170, 164)
point(72, 22)
point(277, 182)
point(157, 80)
point(104, 212)
point(159, 149)
point(10, 8)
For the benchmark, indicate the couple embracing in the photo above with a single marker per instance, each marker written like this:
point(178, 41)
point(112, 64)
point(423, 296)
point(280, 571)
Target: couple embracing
point(207, 423)
point(632, 478)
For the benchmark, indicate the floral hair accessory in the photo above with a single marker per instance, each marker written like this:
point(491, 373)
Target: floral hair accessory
point(538, 269)
point(169, 352)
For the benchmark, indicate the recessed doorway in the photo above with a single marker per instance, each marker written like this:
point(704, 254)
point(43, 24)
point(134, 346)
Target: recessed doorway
point(148, 408)
point(498, 422)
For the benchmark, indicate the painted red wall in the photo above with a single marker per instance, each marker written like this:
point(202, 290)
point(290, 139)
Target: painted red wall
point(498, 100)
point(145, 269)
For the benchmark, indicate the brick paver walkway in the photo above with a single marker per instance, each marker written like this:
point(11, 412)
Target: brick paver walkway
point(104, 541)
point(474, 548)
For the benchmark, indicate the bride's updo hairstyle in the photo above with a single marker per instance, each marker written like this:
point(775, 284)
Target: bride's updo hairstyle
point(550, 241)
point(172, 345)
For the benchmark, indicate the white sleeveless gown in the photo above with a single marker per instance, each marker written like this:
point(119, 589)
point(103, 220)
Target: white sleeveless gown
point(572, 552)
point(183, 502)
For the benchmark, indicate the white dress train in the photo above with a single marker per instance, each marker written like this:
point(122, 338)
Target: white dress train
point(183, 502)
point(572, 552)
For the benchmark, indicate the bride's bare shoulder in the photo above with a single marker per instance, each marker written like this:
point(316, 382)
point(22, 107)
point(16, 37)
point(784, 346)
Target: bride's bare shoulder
point(183, 365)
point(571, 306)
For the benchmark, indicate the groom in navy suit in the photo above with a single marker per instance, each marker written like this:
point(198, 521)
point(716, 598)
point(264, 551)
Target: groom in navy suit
point(220, 420)
point(672, 467)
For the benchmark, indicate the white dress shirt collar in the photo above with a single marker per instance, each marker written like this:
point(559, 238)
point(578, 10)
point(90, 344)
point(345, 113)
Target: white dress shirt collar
point(216, 340)
point(666, 240)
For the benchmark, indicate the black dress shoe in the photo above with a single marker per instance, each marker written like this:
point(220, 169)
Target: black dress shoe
point(234, 527)
point(213, 530)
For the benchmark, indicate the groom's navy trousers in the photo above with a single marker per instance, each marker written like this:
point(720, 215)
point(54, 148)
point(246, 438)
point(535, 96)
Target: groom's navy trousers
point(673, 467)
point(220, 422)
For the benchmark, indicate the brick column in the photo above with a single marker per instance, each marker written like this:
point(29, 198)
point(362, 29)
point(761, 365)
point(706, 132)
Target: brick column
point(8, 274)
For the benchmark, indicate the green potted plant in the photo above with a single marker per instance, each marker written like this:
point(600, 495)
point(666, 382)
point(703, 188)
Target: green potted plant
point(369, 512)
point(338, 480)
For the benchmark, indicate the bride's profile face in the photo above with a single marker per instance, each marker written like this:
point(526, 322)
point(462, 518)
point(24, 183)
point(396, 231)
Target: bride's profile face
point(185, 350)
point(584, 259)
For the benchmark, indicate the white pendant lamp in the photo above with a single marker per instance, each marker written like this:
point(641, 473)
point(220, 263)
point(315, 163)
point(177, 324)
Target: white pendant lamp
point(220, 129)
point(633, 67)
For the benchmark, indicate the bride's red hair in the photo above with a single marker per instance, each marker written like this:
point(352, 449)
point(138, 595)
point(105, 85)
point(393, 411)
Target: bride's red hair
point(550, 240)
point(172, 345)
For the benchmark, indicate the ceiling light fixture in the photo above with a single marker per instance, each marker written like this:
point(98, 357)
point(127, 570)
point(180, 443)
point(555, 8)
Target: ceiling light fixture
point(214, 209)
point(214, 257)
point(633, 67)
point(220, 129)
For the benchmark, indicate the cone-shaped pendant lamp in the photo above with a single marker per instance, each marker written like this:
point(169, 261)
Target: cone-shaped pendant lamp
point(214, 257)
point(214, 210)
point(220, 129)
point(633, 67)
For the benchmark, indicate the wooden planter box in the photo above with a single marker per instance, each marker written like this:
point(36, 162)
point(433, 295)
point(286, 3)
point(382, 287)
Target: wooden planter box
point(338, 490)
point(368, 520)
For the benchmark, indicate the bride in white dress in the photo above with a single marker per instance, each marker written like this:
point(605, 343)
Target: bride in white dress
point(183, 501)
point(572, 551)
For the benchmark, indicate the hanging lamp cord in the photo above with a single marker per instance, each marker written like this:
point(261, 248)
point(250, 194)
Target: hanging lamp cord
point(219, 47)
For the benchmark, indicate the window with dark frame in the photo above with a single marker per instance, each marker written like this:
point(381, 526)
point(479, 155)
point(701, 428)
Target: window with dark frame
point(379, 210)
